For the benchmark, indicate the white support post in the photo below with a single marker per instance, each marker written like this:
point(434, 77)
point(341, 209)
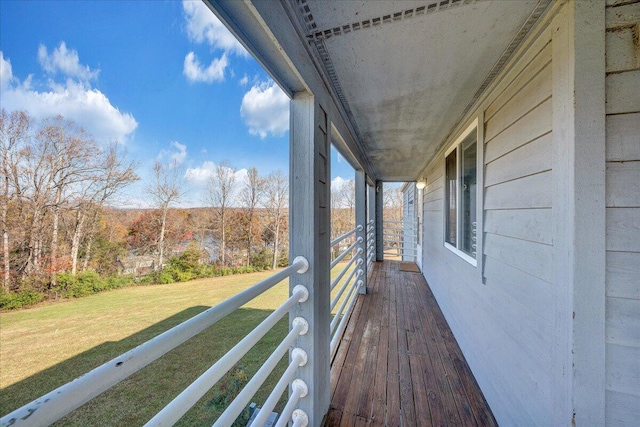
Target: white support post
point(579, 213)
point(309, 236)
point(379, 217)
point(361, 221)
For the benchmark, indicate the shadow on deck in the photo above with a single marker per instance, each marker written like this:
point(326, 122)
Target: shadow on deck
point(398, 363)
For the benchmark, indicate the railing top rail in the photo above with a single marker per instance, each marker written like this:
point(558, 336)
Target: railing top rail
point(54, 405)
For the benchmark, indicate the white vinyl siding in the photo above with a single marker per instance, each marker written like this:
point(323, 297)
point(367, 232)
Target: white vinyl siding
point(623, 215)
point(505, 326)
point(409, 224)
point(506, 321)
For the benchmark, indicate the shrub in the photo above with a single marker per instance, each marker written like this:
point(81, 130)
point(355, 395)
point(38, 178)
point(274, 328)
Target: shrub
point(115, 282)
point(91, 282)
point(83, 284)
point(12, 301)
point(227, 390)
point(163, 277)
point(261, 260)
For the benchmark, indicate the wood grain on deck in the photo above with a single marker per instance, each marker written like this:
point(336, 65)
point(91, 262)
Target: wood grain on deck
point(398, 363)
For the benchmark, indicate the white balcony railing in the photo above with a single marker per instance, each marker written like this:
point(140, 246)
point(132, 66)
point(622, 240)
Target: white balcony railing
point(344, 290)
point(371, 243)
point(352, 283)
point(61, 401)
point(400, 239)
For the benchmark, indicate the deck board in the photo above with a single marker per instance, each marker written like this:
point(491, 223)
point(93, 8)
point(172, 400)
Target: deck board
point(398, 363)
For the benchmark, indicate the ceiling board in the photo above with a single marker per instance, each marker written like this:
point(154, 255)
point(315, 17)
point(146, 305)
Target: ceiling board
point(406, 82)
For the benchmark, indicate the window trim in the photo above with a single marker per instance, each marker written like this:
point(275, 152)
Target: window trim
point(473, 126)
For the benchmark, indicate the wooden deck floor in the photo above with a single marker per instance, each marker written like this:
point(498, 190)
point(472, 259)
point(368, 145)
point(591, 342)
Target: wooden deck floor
point(398, 363)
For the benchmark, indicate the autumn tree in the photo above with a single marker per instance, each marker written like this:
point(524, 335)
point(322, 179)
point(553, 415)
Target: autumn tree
point(53, 172)
point(71, 161)
point(276, 201)
point(220, 196)
point(165, 189)
point(111, 175)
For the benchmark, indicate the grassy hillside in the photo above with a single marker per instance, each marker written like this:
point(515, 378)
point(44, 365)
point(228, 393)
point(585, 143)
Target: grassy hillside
point(49, 345)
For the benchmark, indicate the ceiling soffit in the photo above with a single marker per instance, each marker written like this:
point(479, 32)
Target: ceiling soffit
point(327, 20)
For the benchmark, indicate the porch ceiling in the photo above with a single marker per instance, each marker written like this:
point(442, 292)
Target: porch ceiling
point(407, 71)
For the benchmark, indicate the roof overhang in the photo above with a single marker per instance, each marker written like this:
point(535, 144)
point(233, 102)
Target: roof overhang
point(396, 77)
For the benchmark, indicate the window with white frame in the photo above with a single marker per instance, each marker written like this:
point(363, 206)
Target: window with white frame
point(461, 195)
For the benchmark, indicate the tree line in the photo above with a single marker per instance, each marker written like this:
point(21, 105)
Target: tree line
point(57, 187)
point(56, 181)
point(58, 223)
point(244, 222)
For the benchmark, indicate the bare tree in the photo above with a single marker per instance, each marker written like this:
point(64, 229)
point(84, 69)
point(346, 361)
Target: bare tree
point(111, 175)
point(220, 195)
point(276, 201)
point(13, 130)
point(347, 196)
point(342, 212)
point(165, 189)
point(251, 196)
point(392, 199)
point(71, 160)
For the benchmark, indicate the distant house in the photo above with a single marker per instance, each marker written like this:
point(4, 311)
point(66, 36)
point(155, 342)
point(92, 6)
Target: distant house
point(137, 265)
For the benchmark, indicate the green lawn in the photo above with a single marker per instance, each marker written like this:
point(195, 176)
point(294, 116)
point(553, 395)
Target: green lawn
point(46, 346)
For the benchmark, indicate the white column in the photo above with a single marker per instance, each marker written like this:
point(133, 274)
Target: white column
point(379, 217)
point(361, 220)
point(309, 236)
point(579, 213)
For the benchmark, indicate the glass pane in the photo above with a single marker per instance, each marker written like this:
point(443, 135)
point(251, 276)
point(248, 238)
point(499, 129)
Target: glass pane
point(450, 198)
point(468, 195)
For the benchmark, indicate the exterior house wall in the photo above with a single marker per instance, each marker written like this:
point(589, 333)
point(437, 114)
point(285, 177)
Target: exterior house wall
point(504, 311)
point(509, 314)
point(623, 214)
point(509, 349)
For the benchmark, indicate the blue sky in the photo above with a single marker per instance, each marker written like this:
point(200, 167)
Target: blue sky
point(163, 78)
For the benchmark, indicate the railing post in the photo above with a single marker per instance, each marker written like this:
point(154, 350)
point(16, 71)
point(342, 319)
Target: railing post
point(309, 236)
point(361, 223)
point(379, 230)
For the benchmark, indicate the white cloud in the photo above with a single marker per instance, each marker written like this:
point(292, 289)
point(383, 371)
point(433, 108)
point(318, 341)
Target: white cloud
point(244, 80)
point(174, 156)
point(66, 61)
point(72, 99)
point(199, 175)
point(204, 26)
point(265, 109)
point(6, 73)
point(337, 183)
point(178, 156)
point(195, 72)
